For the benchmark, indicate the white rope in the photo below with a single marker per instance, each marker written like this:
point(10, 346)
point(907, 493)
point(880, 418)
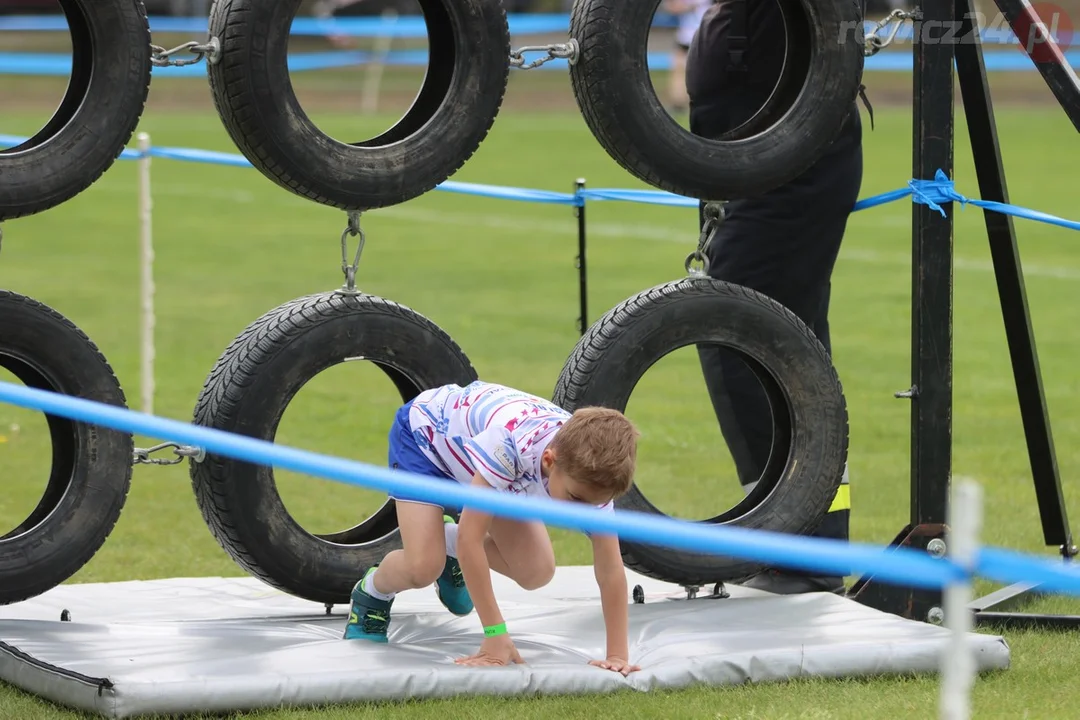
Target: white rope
point(146, 268)
point(370, 100)
point(957, 663)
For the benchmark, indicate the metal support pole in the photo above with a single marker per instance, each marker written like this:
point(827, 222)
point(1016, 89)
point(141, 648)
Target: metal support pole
point(1050, 61)
point(583, 290)
point(932, 278)
point(1004, 251)
point(1005, 254)
point(931, 390)
point(930, 393)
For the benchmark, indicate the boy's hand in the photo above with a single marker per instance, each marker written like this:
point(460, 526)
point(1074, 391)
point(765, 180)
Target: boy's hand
point(616, 664)
point(498, 650)
point(472, 556)
point(611, 577)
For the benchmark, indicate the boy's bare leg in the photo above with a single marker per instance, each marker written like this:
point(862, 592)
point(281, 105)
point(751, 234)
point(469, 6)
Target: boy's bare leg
point(521, 551)
point(422, 559)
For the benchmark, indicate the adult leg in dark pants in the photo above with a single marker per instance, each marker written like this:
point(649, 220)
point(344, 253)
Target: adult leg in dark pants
point(783, 244)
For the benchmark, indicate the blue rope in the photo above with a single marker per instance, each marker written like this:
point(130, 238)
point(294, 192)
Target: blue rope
point(932, 193)
point(829, 556)
point(812, 554)
point(897, 565)
point(939, 191)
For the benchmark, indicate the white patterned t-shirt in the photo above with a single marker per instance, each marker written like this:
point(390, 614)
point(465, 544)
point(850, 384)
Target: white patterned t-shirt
point(488, 429)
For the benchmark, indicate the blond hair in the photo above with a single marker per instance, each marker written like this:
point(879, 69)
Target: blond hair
point(598, 446)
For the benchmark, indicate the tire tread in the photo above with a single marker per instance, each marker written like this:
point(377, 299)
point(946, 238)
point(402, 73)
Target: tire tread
point(582, 368)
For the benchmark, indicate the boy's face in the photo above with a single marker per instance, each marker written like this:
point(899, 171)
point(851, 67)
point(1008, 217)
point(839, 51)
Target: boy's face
point(563, 487)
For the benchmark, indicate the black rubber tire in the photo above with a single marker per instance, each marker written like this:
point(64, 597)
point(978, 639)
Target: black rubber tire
point(615, 94)
point(91, 465)
point(105, 98)
point(469, 46)
point(247, 393)
point(810, 440)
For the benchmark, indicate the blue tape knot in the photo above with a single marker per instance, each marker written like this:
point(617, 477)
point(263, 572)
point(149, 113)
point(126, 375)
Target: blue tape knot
point(936, 192)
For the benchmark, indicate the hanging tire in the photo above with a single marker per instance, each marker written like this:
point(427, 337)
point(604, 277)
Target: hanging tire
point(611, 83)
point(110, 80)
point(91, 465)
point(247, 393)
point(468, 70)
point(810, 431)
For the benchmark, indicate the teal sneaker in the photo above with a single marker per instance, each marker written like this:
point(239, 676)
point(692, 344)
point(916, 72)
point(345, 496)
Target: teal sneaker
point(450, 587)
point(369, 617)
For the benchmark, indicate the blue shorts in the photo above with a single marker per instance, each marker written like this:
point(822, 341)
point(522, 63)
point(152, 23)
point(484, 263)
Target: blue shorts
point(406, 455)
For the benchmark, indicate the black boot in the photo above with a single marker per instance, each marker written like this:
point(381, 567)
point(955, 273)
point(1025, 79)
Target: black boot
point(785, 583)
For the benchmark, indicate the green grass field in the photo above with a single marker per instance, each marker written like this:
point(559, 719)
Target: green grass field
point(499, 276)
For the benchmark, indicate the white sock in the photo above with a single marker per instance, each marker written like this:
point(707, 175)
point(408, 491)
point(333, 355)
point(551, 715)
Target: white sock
point(451, 539)
point(369, 588)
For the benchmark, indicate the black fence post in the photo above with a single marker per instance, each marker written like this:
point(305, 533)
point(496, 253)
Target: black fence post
point(583, 290)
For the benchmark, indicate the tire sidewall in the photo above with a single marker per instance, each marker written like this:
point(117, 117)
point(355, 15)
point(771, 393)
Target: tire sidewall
point(102, 463)
point(55, 170)
point(640, 134)
point(660, 320)
point(286, 140)
point(281, 551)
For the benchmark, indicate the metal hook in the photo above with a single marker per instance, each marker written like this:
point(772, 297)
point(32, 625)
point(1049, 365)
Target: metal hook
point(713, 214)
point(352, 229)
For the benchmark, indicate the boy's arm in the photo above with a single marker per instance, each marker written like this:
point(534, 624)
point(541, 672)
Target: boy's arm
point(472, 529)
point(611, 577)
point(472, 557)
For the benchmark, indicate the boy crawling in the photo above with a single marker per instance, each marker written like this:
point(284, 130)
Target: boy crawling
point(506, 440)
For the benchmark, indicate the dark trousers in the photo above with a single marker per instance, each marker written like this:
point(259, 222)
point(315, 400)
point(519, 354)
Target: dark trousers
point(783, 244)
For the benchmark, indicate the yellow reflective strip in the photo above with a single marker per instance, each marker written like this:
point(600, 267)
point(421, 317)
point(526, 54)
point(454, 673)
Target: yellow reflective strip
point(842, 501)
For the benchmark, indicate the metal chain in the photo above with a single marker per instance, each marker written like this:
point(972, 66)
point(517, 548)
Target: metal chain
point(566, 51)
point(714, 215)
point(142, 457)
point(875, 43)
point(161, 56)
point(352, 229)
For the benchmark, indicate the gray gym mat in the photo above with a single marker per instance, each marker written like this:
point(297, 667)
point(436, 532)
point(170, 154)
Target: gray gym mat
point(218, 645)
